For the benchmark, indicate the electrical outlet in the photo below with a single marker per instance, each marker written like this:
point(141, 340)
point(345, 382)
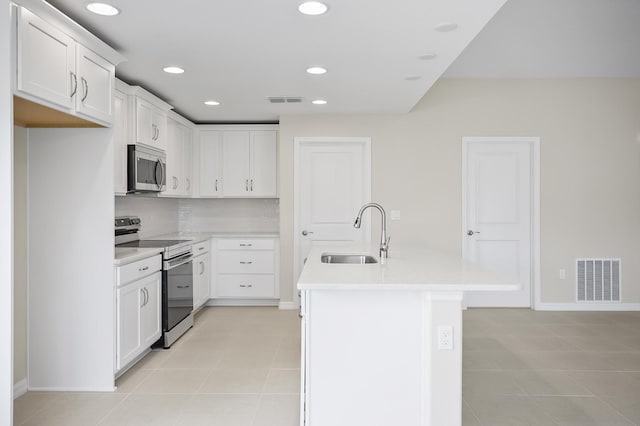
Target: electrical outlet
point(563, 274)
point(395, 214)
point(445, 338)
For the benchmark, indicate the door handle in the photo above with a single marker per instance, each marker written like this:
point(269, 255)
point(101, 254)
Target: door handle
point(470, 232)
point(305, 232)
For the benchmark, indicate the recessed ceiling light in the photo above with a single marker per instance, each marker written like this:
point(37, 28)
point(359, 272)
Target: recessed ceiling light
point(427, 56)
point(102, 9)
point(211, 103)
point(316, 70)
point(445, 27)
point(173, 70)
point(319, 102)
point(312, 8)
point(412, 77)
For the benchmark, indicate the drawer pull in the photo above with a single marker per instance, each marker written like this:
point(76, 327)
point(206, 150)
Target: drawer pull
point(246, 285)
point(245, 245)
point(246, 263)
point(200, 248)
point(184, 286)
point(146, 268)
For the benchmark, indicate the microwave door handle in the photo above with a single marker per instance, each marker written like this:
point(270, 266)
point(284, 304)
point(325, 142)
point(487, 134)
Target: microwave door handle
point(159, 180)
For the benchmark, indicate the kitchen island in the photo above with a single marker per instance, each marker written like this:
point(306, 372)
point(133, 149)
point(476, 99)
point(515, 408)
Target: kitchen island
point(382, 343)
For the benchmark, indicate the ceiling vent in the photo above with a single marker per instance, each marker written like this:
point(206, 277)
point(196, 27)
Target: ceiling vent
point(284, 99)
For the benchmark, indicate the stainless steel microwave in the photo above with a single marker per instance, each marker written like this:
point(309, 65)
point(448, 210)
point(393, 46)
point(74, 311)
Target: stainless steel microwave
point(146, 169)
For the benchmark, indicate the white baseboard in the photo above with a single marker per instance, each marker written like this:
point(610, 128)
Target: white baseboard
point(292, 306)
point(588, 307)
point(20, 388)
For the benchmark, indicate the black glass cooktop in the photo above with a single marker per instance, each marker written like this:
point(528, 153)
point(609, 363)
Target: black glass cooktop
point(152, 243)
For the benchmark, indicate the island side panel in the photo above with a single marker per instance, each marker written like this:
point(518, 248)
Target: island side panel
point(443, 367)
point(364, 359)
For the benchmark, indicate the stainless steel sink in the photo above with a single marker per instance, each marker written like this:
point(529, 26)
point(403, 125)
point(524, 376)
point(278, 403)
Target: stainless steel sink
point(353, 259)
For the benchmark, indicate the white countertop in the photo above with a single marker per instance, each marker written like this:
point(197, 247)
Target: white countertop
point(124, 255)
point(409, 267)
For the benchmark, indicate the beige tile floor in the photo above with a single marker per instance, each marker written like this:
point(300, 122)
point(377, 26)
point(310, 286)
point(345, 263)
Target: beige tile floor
point(240, 366)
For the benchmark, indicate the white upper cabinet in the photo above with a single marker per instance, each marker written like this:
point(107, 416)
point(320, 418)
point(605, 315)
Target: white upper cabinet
point(209, 159)
point(55, 70)
point(179, 158)
point(94, 97)
point(249, 167)
point(150, 124)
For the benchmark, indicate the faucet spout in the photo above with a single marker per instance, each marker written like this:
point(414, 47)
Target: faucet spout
point(384, 241)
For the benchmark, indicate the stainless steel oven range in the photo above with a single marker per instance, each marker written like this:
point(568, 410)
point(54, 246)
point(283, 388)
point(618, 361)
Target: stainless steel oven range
point(177, 278)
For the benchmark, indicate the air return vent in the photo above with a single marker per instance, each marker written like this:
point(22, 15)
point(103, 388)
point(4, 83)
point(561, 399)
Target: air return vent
point(284, 99)
point(598, 280)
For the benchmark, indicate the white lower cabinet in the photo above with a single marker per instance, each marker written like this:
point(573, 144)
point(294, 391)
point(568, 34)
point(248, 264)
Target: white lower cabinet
point(246, 268)
point(201, 274)
point(138, 306)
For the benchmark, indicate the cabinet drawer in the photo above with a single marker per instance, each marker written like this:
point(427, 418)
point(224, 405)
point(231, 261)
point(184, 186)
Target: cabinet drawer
point(245, 244)
point(245, 262)
point(245, 286)
point(136, 270)
point(200, 248)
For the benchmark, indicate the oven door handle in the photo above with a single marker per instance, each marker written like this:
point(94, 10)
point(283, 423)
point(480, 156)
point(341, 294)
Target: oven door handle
point(174, 263)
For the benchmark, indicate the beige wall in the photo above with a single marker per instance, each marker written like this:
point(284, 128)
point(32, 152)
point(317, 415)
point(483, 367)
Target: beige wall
point(590, 168)
point(20, 254)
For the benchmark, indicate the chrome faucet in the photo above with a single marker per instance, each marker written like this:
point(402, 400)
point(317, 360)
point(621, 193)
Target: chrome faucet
point(384, 241)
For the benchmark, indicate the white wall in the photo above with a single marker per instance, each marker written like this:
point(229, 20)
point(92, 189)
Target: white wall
point(71, 247)
point(20, 254)
point(6, 222)
point(590, 171)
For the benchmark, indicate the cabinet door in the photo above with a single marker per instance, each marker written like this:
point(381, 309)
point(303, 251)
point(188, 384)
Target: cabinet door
point(129, 300)
point(120, 143)
point(210, 156)
point(187, 171)
point(96, 78)
point(264, 161)
point(174, 159)
point(235, 163)
point(46, 61)
point(201, 275)
point(145, 132)
point(151, 311)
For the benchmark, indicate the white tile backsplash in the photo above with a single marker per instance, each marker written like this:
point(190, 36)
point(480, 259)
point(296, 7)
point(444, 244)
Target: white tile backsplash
point(235, 215)
point(159, 215)
point(168, 215)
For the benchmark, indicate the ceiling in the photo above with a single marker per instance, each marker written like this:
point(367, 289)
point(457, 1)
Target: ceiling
point(241, 53)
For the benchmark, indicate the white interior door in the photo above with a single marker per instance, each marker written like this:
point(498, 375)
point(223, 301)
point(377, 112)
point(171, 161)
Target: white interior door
point(497, 230)
point(333, 180)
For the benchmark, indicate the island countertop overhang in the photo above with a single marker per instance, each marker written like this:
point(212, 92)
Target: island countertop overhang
point(410, 267)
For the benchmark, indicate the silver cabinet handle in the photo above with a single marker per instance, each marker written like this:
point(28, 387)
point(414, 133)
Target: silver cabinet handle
point(175, 182)
point(251, 186)
point(470, 232)
point(146, 294)
point(245, 245)
point(188, 184)
point(85, 87)
point(200, 248)
point(246, 285)
point(246, 185)
point(146, 268)
point(201, 268)
point(75, 83)
point(305, 232)
point(184, 286)
point(216, 185)
point(242, 262)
